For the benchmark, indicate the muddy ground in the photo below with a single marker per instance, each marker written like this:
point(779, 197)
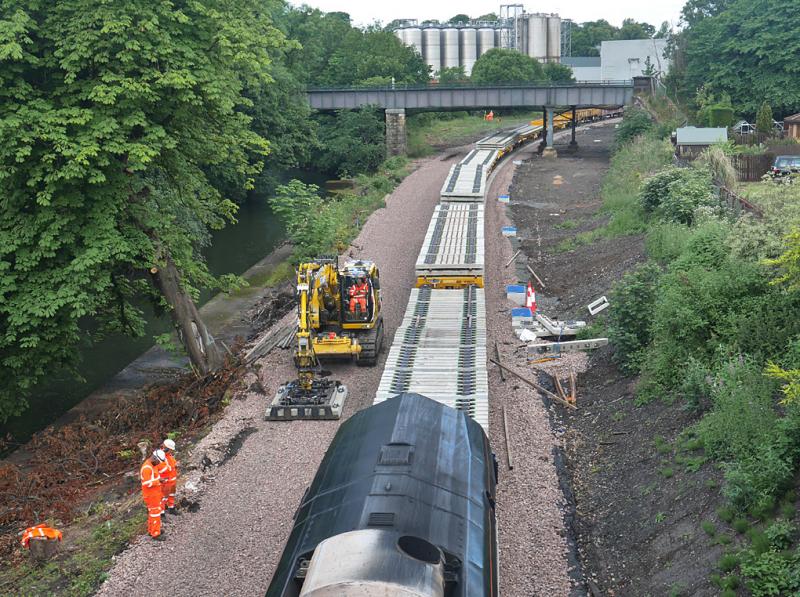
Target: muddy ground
point(638, 506)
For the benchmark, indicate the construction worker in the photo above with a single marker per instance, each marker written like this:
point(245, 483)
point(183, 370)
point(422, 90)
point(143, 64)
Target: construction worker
point(358, 295)
point(151, 491)
point(170, 478)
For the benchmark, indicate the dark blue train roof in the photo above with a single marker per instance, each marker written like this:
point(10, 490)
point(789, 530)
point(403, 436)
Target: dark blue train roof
point(412, 466)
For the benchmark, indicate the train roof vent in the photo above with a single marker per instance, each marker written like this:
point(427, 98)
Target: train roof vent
point(396, 454)
point(380, 519)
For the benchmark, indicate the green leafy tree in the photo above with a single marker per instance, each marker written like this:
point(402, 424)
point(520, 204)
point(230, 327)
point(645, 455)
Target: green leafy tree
point(558, 72)
point(453, 74)
point(499, 65)
point(459, 18)
point(111, 113)
point(632, 30)
point(695, 11)
point(489, 17)
point(586, 37)
point(764, 119)
point(353, 142)
point(749, 50)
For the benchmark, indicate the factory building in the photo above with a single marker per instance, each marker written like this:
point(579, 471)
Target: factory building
point(461, 44)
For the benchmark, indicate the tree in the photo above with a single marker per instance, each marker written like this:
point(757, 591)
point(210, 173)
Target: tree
point(695, 11)
point(506, 66)
point(749, 50)
point(453, 74)
point(632, 30)
point(459, 18)
point(586, 37)
point(352, 142)
point(489, 17)
point(558, 72)
point(111, 112)
point(764, 119)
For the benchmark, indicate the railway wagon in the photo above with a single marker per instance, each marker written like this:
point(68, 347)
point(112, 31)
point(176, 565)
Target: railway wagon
point(439, 351)
point(402, 505)
point(466, 180)
point(452, 252)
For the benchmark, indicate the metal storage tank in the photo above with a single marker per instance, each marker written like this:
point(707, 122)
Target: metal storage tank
point(431, 51)
point(537, 37)
point(498, 38)
point(401, 35)
point(450, 57)
point(469, 48)
point(553, 38)
point(485, 40)
point(413, 37)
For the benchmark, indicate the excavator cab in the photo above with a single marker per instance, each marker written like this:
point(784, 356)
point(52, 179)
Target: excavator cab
point(339, 316)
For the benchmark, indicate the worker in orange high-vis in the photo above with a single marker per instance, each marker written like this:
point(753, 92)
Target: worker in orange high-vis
point(170, 480)
point(151, 491)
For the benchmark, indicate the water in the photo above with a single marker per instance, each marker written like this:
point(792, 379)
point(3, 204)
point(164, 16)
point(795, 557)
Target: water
point(233, 249)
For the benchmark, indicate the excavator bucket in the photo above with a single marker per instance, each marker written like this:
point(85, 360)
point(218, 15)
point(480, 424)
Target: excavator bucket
point(324, 401)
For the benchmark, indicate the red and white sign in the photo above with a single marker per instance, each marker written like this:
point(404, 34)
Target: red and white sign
point(530, 298)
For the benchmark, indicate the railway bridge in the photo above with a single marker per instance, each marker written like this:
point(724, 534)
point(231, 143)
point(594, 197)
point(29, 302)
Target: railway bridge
point(550, 97)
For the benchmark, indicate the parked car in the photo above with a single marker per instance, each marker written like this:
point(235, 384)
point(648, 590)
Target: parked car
point(785, 165)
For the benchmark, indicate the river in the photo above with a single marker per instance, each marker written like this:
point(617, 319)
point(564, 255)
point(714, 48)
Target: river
point(234, 249)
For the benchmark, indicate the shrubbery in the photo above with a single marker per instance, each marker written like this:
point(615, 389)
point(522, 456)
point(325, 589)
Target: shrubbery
point(635, 123)
point(674, 194)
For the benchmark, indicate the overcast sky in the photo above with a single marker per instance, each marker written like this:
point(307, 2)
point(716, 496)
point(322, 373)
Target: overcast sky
point(364, 12)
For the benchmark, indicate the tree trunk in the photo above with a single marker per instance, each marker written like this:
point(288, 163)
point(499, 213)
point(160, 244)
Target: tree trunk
point(203, 351)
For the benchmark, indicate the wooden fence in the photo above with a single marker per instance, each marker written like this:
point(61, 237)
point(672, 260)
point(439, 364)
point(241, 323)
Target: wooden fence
point(751, 168)
point(738, 204)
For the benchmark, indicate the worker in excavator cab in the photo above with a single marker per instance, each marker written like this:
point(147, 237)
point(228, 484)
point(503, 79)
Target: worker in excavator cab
point(358, 296)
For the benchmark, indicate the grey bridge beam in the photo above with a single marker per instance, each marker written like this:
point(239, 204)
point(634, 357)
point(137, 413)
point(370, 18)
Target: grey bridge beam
point(580, 95)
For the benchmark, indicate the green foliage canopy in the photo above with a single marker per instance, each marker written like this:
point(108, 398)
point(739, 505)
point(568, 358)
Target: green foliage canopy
point(110, 113)
point(499, 65)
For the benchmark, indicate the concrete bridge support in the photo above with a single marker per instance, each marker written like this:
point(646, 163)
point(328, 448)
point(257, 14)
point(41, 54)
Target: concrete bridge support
point(396, 138)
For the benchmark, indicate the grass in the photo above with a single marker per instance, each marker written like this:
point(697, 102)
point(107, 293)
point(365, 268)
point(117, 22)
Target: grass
point(662, 446)
point(709, 528)
point(429, 131)
point(740, 525)
point(667, 472)
point(728, 562)
point(567, 225)
point(78, 573)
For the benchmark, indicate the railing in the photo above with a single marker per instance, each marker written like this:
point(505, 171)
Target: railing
point(737, 203)
point(469, 85)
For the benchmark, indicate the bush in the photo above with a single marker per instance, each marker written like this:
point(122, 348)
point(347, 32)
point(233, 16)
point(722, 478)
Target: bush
point(629, 321)
point(780, 534)
point(656, 187)
point(675, 193)
point(771, 573)
point(352, 142)
point(635, 122)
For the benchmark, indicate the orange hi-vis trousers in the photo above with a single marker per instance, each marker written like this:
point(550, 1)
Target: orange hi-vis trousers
point(168, 494)
point(152, 499)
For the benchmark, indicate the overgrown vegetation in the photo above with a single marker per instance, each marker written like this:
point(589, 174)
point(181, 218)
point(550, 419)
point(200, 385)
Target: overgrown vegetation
point(319, 225)
point(711, 325)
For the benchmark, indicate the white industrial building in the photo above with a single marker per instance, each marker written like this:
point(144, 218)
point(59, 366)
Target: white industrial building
point(623, 60)
point(584, 68)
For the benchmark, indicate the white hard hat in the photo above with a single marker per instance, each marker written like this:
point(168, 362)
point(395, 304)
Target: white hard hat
point(169, 444)
point(160, 455)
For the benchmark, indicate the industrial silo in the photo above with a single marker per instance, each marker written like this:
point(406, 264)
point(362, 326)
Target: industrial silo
point(498, 38)
point(413, 37)
point(485, 40)
point(431, 50)
point(537, 37)
point(450, 58)
point(553, 38)
point(469, 48)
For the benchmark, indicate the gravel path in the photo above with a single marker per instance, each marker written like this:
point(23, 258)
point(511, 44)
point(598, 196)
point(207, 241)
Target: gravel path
point(533, 549)
point(249, 475)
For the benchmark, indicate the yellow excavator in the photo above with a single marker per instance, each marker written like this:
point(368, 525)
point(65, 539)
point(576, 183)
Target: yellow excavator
point(338, 316)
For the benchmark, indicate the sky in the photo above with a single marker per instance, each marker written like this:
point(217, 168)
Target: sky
point(364, 12)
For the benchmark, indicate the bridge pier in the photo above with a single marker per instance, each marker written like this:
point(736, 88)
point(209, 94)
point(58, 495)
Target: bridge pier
point(549, 150)
point(396, 138)
point(573, 144)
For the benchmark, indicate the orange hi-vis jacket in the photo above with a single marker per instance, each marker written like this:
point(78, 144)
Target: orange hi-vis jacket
point(150, 478)
point(40, 530)
point(170, 476)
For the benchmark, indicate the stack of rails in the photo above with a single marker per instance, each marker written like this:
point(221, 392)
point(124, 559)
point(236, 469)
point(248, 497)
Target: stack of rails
point(452, 252)
point(440, 351)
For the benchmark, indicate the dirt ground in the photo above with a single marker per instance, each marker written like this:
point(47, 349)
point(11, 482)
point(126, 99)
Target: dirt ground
point(634, 504)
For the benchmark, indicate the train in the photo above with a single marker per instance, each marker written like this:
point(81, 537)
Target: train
point(403, 502)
